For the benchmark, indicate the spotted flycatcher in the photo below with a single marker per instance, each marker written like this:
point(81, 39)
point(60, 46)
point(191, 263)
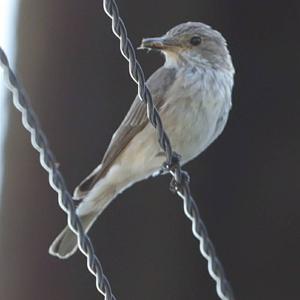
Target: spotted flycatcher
point(192, 92)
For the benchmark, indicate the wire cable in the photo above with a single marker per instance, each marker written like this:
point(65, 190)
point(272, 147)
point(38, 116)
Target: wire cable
point(180, 182)
point(56, 180)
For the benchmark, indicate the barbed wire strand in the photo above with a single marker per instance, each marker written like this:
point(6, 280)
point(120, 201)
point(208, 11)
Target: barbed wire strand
point(56, 180)
point(181, 178)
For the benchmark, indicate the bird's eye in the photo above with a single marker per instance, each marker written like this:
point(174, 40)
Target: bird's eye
point(195, 40)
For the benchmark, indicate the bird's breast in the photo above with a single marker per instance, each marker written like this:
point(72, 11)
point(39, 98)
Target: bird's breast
point(194, 106)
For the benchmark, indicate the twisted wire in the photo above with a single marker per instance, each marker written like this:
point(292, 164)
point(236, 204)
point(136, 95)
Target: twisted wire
point(180, 177)
point(56, 180)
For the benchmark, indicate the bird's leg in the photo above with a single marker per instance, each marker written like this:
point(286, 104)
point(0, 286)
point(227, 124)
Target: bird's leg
point(174, 167)
point(176, 186)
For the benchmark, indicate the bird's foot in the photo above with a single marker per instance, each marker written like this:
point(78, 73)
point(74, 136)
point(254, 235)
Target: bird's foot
point(173, 165)
point(176, 186)
point(180, 177)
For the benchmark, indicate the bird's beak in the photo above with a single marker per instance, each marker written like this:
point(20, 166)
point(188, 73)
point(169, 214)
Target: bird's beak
point(157, 43)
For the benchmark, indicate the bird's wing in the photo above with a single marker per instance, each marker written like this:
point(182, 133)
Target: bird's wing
point(134, 122)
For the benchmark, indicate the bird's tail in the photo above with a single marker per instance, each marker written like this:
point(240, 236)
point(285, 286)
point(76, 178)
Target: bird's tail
point(65, 243)
point(89, 209)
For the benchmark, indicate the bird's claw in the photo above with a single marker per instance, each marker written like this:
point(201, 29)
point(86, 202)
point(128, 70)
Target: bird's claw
point(173, 165)
point(176, 186)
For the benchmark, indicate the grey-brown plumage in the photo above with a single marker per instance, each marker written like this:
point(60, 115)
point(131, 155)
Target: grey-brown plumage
point(192, 92)
point(134, 122)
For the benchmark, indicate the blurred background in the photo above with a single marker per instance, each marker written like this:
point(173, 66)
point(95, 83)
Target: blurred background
point(246, 184)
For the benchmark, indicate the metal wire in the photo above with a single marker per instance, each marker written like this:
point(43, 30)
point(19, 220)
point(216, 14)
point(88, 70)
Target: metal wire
point(56, 180)
point(181, 178)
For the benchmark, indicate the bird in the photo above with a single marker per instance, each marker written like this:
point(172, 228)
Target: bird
point(192, 92)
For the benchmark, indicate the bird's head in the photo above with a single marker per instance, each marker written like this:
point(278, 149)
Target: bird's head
point(191, 43)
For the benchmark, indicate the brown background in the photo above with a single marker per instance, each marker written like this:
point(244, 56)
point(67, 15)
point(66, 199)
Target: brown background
point(246, 184)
